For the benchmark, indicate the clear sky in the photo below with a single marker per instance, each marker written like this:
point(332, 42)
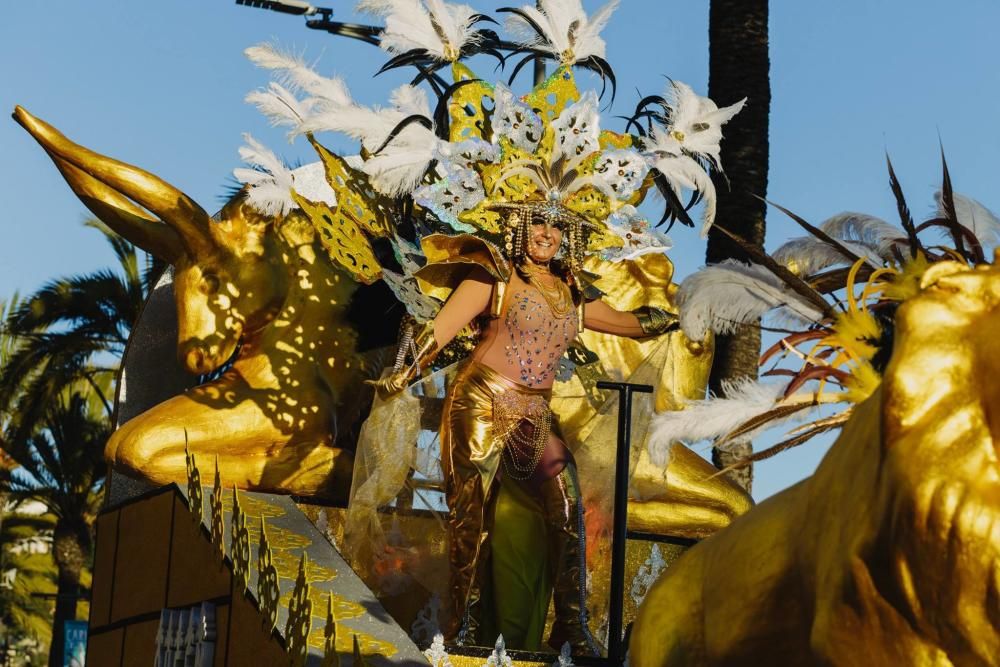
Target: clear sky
point(161, 85)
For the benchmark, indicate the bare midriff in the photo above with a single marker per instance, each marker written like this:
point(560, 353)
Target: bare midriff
point(527, 341)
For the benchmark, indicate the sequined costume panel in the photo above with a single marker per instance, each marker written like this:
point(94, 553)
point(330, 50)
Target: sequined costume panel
point(529, 339)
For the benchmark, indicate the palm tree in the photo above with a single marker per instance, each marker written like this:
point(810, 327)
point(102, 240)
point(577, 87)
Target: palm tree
point(739, 66)
point(60, 465)
point(26, 572)
point(59, 353)
point(74, 329)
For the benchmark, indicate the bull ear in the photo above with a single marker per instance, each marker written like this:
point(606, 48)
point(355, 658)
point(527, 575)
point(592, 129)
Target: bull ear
point(108, 183)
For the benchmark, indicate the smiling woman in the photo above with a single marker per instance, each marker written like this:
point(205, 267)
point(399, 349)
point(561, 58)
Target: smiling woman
point(497, 424)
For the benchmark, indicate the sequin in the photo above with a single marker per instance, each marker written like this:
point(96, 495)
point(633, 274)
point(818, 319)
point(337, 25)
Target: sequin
point(515, 120)
point(576, 129)
point(534, 330)
point(623, 170)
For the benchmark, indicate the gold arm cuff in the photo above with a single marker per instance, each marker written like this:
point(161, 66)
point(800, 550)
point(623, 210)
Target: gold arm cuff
point(655, 321)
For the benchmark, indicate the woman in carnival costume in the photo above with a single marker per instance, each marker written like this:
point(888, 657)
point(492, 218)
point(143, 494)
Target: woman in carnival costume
point(496, 418)
point(527, 189)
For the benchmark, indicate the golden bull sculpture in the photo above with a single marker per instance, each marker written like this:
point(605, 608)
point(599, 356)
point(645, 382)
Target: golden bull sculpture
point(240, 279)
point(890, 553)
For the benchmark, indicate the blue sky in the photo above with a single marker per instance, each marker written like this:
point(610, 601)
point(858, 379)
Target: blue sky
point(161, 85)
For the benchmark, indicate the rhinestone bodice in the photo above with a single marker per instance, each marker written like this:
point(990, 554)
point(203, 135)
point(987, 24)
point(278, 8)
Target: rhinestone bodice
point(529, 339)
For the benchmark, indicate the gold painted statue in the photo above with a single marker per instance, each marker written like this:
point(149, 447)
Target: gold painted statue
point(890, 553)
point(243, 279)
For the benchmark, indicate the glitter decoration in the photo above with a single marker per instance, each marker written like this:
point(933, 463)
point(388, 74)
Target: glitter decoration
point(577, 129)
point(622, 170)
point(460, 190)
point(637, 237)
point(515, 121)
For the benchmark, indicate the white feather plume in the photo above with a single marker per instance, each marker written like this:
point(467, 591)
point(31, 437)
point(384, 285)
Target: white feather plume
point(723, 296)
point(568, 33)
point(294, 72)
point(370, 126)
point(684, 172)
point(975, 217)
point(401, 165)
point(398, 167)
point(410, 25)
point(865, 235)
point(711, 418)
point(409, 100)
point(806, 255)
point(867, 230)
point(696, 122)
point(270, 184)
point(281, 107)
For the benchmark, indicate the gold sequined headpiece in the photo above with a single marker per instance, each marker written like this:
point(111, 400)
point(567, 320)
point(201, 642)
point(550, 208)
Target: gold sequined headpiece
point(521, 215)
point(483, 157)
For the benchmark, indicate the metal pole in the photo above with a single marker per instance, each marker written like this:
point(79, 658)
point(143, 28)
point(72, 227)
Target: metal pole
point(539, 72)
point(616, 652)
point(539, 68)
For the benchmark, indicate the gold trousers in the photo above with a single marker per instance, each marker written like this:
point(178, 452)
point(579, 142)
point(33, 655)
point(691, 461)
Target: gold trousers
point(470, 459)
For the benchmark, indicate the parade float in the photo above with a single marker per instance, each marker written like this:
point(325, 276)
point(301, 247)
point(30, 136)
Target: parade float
point(268, 506)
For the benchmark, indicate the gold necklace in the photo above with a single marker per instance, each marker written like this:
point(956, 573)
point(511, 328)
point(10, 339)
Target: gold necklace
point(556, 294)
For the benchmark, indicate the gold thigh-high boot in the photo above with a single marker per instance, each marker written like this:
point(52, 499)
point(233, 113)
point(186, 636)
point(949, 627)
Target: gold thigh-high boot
point(469, 461)
point(468, 548)
point(567, 551)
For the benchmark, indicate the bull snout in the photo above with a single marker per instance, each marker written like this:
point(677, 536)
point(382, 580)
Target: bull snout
point(200, 357)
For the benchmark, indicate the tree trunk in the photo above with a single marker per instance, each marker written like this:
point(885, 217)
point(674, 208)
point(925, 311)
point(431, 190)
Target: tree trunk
point(739, 67)
point(71, 545)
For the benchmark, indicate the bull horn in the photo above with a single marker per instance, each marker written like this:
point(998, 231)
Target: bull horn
point(112, 181)
point(121, 215)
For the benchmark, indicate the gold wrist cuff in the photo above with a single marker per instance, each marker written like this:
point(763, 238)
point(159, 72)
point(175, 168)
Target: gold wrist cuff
point(425, 348)
point(655, 321)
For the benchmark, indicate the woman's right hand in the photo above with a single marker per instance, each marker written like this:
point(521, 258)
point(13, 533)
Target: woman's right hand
point(391, 384)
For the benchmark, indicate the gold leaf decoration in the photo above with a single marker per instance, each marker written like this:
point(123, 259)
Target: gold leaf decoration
point(268, 592)
point(465, 108)
point(554, 94)
point(344, 608)
point(239, 545)
point(196, 501)
point(218, 527)
point(344, 240)
point(356, 198)
point(299, 618)
point(255, 507)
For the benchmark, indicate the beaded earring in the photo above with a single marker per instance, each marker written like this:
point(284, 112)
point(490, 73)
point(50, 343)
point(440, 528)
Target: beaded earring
point(573, 247)
point(512, 224)
point(522, 236)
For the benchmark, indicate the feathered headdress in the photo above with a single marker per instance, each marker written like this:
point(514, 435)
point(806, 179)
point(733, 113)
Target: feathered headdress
point(483, 159)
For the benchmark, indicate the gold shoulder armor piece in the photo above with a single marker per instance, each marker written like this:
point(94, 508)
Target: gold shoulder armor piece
point(450, 258)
